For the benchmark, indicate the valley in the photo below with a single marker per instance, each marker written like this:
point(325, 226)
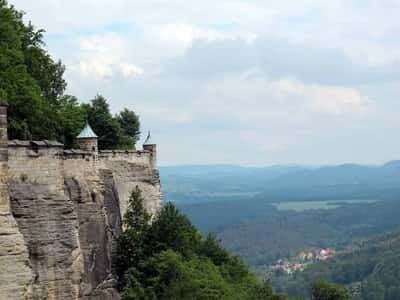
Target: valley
point(270, 234)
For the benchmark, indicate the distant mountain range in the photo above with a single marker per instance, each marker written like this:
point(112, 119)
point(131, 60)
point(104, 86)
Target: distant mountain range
point(202, 183)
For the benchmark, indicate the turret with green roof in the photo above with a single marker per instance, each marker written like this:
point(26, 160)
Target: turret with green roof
point(87, 139)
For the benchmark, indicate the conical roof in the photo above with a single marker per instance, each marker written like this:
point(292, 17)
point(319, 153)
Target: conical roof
point(87, 132)
point(148, 140)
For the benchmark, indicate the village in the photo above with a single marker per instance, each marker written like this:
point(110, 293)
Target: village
point(301, 261)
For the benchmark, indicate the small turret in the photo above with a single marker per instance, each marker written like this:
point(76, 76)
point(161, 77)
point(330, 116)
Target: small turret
point(87, 139)
point(149, 145)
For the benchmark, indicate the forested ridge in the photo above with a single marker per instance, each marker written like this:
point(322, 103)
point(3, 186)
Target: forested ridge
point(262, 234)
point(33, 84)
point(369, 268)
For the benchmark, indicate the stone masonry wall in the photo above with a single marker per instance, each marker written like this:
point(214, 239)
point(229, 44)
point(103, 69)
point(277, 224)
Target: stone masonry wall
point(15, 272)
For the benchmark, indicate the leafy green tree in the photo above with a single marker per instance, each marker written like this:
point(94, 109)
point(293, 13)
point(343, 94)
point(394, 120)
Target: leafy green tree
point(173, 230)
point(194, 278)
point(323, 290)
point(71, 116)
point(132, 288)
point(47, 73)
point(130, 127)
point(24, 68)
point(211, 248)
point(104, 125)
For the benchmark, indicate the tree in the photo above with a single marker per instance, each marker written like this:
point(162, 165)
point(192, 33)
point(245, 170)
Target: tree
point(130, 244)
point(211, 248)
point(323, 290)
point(71, 116)
point(103, 123)
point(30, 80)
point(136, 217)
point(130, 127)
point(172, 230)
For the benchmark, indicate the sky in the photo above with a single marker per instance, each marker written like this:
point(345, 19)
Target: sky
point(253, 82)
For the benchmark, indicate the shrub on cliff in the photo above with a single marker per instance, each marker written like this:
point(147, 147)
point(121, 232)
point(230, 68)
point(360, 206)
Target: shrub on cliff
point(169, 259)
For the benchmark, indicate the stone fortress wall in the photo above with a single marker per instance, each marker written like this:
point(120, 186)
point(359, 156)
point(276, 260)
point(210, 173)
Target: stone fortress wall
point(60, 212)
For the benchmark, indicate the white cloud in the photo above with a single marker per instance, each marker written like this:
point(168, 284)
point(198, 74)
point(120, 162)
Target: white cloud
point(102, 57)
point(98, 69)
point(261, 102)
point(338, 100)
point(129, 70)
point(326, 99)
point(186, 34)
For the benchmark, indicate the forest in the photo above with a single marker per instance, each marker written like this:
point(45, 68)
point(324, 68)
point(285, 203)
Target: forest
point(261, 234)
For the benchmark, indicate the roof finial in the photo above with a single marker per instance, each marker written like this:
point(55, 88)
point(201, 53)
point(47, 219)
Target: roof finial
point(87, 131)
point(148, 139)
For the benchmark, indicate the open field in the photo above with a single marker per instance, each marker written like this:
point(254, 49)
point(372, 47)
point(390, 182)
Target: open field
point(306, 205)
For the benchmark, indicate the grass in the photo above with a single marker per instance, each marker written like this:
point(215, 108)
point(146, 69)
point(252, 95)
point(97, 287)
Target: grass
point(300, 206)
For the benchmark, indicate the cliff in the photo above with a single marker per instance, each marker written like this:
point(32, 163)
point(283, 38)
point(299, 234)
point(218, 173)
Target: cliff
point(60, 214)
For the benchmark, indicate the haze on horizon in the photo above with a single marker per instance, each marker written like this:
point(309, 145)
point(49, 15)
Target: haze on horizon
point(239, 82)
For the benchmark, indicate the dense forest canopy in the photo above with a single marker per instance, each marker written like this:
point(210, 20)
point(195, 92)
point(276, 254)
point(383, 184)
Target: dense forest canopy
point(33, 84)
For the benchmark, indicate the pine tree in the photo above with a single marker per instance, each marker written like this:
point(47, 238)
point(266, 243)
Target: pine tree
point(130, 243)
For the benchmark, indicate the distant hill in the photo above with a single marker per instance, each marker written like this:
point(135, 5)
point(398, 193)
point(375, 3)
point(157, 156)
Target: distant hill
point(207, 183)
point(210, 183)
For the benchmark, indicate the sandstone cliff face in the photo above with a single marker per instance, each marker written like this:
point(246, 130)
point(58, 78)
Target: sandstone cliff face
point(48, 222)
point(96, 203)
point(60, 214)
point(15, 272)
point(128, 174)
point(68, 209)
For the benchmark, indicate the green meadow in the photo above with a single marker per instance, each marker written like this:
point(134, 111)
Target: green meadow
point(300, 206)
